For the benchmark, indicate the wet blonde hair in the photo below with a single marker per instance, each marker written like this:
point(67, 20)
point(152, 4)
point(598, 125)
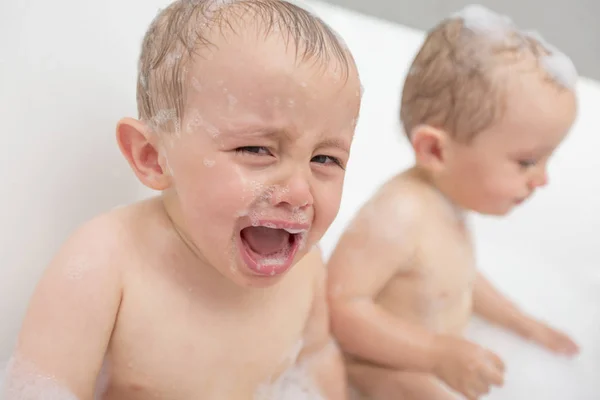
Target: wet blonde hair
point(454, 82)
point(181, 32)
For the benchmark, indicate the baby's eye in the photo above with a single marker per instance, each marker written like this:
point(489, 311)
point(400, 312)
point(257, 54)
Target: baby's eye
point(255, 150)
point(322, 159)
point(527, 163)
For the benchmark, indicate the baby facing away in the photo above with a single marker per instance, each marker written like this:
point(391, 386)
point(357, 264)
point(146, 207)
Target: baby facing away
point(484, 106)
point(247, 110)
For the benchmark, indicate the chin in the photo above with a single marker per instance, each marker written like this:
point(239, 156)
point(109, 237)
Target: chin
point(493, 212)
point(257, 282)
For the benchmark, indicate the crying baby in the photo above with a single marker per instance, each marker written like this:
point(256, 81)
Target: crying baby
point(214, 288)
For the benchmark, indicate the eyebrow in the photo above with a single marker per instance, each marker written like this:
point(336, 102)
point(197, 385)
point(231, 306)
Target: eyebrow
point(535, 151)
point(337, 143)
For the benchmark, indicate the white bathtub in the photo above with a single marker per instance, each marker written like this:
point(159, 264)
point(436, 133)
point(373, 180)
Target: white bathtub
point(68, 73)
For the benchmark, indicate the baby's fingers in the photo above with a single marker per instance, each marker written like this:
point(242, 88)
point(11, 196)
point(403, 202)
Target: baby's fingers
point(492, 375)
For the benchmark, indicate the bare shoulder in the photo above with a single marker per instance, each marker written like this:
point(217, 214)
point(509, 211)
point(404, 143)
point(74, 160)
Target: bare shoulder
point(99, 245)
point(381, 241)
point(72, 312)
point(399, 202)
point(392, 216)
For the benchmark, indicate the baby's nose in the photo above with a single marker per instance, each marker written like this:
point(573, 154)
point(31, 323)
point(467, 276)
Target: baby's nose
point(540, 180)
point(296, 192)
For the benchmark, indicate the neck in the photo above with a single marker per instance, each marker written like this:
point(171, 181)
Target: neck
point(429, 179)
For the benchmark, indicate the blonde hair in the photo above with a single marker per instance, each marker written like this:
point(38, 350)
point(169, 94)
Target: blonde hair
point(453, 82)
point(183, 30)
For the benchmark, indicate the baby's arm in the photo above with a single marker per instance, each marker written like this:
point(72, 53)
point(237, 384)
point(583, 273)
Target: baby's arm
point(363, 262)
point(489, 303)
point(69, 320)
point(320, 352)
point(367, 257)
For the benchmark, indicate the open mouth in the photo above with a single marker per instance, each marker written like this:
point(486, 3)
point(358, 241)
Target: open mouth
point(270, 250)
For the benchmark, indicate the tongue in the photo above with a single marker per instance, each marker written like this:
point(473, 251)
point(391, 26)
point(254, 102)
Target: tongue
point(265, 241)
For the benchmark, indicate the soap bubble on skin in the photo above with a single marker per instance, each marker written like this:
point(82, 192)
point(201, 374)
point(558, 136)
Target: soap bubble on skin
point(261, 195)
point(231, 101)
point(295, 383)
point(22, 380)
point(76, 268)
point(198, 121)
point(275, 101)
point(196, 84)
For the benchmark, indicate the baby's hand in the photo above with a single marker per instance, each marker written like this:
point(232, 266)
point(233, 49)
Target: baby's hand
point(552, 339)
point(467, 367)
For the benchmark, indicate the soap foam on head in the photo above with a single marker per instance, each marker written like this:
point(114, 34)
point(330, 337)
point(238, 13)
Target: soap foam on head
point(481, 20)
point(500, 28)
point(558, 65)
point(163, 117)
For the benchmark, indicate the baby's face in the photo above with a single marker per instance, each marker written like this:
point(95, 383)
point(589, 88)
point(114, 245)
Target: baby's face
point(505, 164)
point(259, 166)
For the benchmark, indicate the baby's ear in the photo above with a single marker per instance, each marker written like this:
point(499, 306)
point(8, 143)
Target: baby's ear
point(139, 145)
point(429, 144)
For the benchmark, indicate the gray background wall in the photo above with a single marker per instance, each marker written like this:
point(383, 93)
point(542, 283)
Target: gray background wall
point(571, 25)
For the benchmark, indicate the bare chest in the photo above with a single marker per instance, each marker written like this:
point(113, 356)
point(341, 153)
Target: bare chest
point(181, 344)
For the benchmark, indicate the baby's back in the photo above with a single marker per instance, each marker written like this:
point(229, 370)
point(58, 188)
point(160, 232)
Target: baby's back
point(139, 310)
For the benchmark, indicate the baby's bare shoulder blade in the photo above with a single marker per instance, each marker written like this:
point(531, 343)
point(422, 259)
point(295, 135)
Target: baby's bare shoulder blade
point(73, 309)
